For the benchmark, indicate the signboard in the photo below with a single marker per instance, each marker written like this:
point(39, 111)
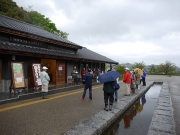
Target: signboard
point(18, 75)
point(36, 68)
point(0, 70)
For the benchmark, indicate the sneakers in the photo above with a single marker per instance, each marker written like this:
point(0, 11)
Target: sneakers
point(127, 95)
point(106, 108)
point(115, 100)
point(90, 98)
point(110, 107)
point(81, 98)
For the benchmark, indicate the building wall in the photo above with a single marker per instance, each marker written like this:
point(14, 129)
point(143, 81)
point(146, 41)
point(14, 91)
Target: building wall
point(7, 71)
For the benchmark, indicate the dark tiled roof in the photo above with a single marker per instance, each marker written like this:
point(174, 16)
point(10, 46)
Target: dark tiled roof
point(90, 55)
point(14, 24)
point(83, 53)
point(34, 50)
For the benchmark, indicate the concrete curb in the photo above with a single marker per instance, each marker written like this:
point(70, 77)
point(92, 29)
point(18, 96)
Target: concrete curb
point(96, 124)
point(163, 122)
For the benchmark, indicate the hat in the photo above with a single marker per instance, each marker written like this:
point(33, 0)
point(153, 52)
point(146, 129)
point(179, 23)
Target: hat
point(44, 67)
point(126, 68)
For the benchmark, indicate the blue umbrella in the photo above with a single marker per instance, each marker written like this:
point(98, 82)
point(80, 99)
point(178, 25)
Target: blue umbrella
point(108, 76)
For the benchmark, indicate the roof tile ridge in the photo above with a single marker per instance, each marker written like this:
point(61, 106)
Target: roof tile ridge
point(22, 22)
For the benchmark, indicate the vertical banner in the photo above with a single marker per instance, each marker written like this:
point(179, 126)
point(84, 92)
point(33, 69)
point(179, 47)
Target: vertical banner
point(36, 68)
point(18, 75)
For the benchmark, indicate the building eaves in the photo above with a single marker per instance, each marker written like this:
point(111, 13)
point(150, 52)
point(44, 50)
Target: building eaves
point(87, 54)
point(34, 50)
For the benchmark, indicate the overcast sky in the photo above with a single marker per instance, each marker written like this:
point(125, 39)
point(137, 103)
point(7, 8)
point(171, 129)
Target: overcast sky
point(123, 30)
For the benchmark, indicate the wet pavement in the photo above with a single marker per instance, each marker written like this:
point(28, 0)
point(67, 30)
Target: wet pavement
point(63, 111)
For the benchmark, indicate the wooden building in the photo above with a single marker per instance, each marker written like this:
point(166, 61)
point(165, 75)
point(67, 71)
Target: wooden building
point(26, 44)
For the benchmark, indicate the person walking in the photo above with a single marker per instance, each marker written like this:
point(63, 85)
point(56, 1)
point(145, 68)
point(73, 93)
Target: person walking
point(74, 76)
point(109, 89)
point(88, 85)
point(137, 79)
point(127, 81)
point(144, 78)
point(45, 81)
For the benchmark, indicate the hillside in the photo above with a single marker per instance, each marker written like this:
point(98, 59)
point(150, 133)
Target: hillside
point(11, 9)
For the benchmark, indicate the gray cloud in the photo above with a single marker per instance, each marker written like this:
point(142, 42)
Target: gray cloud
point(125, 22)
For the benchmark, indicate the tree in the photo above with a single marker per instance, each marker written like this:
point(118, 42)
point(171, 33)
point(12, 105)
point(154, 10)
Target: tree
point(120, 69)
point(11, 9)
point(140, 65)
point(152, 69)
point(167, 68)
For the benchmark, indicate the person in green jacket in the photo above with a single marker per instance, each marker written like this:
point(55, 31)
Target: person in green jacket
point(109, 88)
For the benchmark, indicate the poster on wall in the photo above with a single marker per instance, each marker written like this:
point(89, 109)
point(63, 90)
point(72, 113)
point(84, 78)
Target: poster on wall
point(18, 75)
point(36, 68)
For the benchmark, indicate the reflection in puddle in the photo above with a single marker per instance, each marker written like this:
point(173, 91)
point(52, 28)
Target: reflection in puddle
point(137, 118)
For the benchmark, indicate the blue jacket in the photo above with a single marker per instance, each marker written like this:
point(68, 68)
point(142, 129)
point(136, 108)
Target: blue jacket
point(88, 79)
point(144, 74)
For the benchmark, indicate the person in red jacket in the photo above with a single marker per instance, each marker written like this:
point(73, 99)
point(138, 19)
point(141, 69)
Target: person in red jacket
point(127, 81)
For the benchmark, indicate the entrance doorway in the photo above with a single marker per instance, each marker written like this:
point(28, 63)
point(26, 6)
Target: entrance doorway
point(51, 65)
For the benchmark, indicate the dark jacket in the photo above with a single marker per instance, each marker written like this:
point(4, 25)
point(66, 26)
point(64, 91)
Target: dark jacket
point(74, 73)
point(109, 87)
point(88, 79)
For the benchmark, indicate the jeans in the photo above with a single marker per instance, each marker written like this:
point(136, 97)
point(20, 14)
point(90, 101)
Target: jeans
point(90, 91)
point(136, 86)
point(116, 94)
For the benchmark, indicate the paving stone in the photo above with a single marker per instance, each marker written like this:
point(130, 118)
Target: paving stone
point(165, 108)
point(81, 129)
point(164, 99)
point(162, 119)
point(163, 112)
point(153, 132)
point(96, 123)
point(164, 104)
point(106, 115)
point(163, 127)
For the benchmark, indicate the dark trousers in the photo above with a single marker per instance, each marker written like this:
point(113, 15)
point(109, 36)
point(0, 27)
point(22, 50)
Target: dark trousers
point(90, 92)
point(110, 97)
point(144, 81)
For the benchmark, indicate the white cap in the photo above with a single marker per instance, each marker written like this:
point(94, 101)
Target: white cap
point(44, 67)
point(126, 68)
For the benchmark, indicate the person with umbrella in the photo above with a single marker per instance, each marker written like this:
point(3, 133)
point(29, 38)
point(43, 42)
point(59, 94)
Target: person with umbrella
point(109, 80)
point(127, 81)
point(88, 85)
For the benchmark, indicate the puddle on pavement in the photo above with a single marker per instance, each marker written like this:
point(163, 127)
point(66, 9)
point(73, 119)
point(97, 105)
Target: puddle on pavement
point(136, 120)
